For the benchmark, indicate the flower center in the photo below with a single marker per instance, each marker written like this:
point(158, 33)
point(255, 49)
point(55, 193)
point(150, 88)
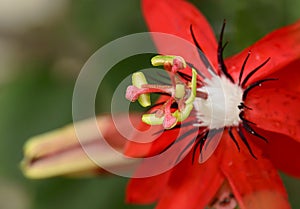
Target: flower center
point(221, 108)
point(216, 100)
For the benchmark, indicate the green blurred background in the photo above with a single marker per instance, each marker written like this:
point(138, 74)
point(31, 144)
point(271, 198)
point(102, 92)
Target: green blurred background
point(44, 44)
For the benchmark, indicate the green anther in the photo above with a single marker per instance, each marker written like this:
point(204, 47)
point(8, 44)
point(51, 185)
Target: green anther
point(151, 119)
point(193, 87)
point(160, 60)
point(179, 91)
point(184, 114)
point(139, 79)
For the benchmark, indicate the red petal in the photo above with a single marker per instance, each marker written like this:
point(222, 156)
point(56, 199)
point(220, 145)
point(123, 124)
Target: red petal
point(288, 77)
point(275, 110)
point(283, 151)
point(265, 200)
point(135, 148)
point(175, 17)
point(163, 138)
point(191, 185)
point(251, 179)
point(146, 190)
point(283, 46)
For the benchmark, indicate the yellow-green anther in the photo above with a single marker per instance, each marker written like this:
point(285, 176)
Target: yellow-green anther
point(151, 119)
point(179, 91)
point(160, 60)
point(193, 87)
point(138, 80)
point(182, 115)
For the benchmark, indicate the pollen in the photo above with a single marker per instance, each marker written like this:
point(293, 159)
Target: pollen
point(220, 109)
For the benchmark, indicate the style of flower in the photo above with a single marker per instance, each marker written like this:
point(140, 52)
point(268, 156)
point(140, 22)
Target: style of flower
point(240, 144)
point(258, 107)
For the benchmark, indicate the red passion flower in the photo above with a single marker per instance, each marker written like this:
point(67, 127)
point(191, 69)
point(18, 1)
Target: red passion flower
point(238, 116)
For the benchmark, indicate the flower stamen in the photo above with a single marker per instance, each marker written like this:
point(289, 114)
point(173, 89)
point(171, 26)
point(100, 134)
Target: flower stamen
point(181, 92)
